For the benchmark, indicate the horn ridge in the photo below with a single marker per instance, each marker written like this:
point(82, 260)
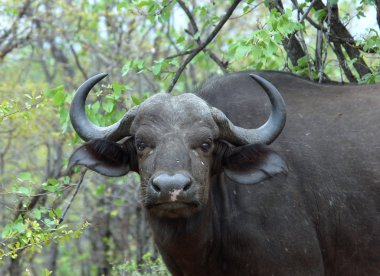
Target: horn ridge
point(266, 133)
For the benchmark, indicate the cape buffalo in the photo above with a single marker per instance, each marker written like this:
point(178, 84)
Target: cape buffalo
point(315, 205)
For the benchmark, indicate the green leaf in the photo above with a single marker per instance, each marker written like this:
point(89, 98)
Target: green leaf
point(135, 100)
point(126, 68)
point(23, 190)
point(117, 88)
point(50, 93)
point(141, 4)
point(47, 272)
point(58, 212)
point(100, 189)
point(25, 176)
point(302, 62)
point(64, 118)
point(320, 15)
point(156, 70)
point(242, 51)
point(53, 181)
point(66, 180)
point(197, 35)
point(19, 226)
point(180, 39)
point(7, 230)
point(119, 202)
point(51, 214)
point(59, 98)
point(138, 64)
point(108, 106)
point(37, 213)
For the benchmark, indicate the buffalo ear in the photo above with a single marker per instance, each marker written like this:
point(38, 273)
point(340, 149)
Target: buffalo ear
point(252, 164)
point(102, 156)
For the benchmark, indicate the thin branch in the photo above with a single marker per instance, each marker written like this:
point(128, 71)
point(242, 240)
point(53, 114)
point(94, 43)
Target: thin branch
point(213, 56)
point(189, 15)
point(222, 65)
point(249, 11)
point(307, 11)
point(209, 39)
point(77, 62)
point(73, 197)
point(311, 21)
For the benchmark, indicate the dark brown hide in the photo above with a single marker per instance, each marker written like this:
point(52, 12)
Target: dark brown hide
point(322, 219)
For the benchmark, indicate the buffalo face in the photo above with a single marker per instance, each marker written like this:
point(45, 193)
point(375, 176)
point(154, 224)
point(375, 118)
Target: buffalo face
point(175, 143)
point(173, 137)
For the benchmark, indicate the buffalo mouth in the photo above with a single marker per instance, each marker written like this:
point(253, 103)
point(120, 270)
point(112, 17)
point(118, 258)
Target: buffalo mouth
point(174, 209)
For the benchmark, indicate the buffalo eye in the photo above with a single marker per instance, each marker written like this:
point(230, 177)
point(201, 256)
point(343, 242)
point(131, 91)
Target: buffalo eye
point(140, 146)
point(205, 146)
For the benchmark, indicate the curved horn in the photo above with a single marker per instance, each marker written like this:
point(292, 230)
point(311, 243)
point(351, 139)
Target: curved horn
point(265, 134)
point(87, 130)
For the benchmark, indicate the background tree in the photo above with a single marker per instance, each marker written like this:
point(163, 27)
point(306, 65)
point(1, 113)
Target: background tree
point(48, 48)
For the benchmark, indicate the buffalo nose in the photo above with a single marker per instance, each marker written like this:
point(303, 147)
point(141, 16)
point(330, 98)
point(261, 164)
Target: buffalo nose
point(165, 183)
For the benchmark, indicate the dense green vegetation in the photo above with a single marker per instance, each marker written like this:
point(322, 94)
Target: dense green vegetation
point(57, 222)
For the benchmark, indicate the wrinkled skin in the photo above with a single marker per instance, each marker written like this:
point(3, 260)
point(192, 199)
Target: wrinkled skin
point(320, 219)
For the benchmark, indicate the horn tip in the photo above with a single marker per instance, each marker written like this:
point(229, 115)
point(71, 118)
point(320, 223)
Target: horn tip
point(255, 77)
point(101, 75)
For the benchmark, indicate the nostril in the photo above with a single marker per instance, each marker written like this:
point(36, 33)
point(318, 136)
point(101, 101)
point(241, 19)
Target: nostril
point(187, 187)
point(156, 188)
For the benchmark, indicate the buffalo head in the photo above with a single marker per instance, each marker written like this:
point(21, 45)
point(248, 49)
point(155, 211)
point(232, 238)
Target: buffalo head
point(176, 144)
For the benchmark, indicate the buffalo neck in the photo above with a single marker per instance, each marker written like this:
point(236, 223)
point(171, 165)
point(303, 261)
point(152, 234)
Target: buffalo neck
point(192, 242)
point(183, 235)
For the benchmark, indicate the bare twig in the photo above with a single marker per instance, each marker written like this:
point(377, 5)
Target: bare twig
point(249, 11)
point(77, 62)
point(306, 13)
point(181, 54)
point(72, 198)
point(222, 65)
point(189, 15)
point(204, 44)
point(306, 16)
